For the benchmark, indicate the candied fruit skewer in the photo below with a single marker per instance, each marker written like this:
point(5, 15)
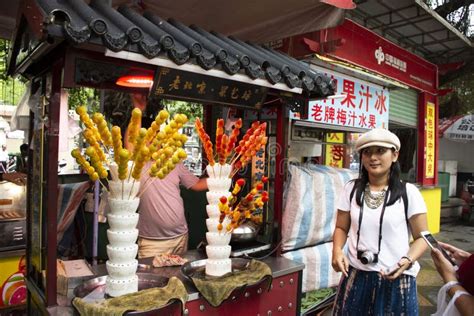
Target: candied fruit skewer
point(180, 153)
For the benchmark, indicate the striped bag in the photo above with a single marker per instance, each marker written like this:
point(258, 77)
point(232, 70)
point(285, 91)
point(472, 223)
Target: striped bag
point(309, 213)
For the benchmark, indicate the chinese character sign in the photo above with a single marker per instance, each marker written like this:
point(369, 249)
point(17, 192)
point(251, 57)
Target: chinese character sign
point(459, 129)
point(258, 166)
point(334, 156)
point(174, 83)
point(430, 140)
point(361, 105)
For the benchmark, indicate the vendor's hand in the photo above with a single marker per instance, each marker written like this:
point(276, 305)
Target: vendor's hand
point(444, 267)
point(402, 264)
point(457, 254)
point(340, 262)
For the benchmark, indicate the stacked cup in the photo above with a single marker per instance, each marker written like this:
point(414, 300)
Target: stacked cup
point(218, 249)
point(122, 248)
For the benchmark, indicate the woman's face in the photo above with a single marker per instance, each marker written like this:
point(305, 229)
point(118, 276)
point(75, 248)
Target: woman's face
point(378, 160)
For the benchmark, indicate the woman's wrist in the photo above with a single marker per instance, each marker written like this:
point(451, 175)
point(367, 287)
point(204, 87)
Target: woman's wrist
point(407, 259)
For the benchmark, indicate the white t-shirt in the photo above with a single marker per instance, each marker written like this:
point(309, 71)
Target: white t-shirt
point(395, 240)
point(3, 155)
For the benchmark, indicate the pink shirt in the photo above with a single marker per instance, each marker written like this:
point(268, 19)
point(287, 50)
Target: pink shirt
point(161, 206)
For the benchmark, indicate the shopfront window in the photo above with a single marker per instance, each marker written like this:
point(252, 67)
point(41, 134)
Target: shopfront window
point(408, 152)
point(337, 148)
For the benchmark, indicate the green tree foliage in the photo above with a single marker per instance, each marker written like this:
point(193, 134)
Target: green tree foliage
point(461, 100)
point(456, 12)
point(83, 96)
point(11, 90)
point(192, 110)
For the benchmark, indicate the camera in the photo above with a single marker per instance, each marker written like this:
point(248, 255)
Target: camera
point(366, 256)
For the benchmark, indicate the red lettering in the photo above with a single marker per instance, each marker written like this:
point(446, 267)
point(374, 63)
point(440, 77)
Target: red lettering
point(341, 117)
point(365, 96)
point(348, 88)
point(316, 112)
point(380, 103)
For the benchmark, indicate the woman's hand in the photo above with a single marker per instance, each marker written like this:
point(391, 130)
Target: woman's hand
point(340, 262)
point(457, 254)
point(401, 266)
point(444, 267)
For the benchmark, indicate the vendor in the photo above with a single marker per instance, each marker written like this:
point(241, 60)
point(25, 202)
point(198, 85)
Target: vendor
point(162, 224)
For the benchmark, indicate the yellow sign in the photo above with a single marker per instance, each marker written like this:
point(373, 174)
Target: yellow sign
point(430, 140)
point(334, 153)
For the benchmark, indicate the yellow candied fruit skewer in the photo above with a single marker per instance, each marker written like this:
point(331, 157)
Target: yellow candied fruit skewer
point(117, 143)
point(85, 118)
point(76, 153)
point(123, 163)
point(160, 118)
point(103, 129)
point(96, 162)
point(140, 142)
point(140, 162)
point(91, 139)
point(134, 126)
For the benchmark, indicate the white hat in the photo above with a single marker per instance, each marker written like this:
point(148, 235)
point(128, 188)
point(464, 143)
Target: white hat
point(378, 137)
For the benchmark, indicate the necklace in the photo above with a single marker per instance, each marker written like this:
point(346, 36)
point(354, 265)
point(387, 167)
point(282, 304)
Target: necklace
point(373, 200)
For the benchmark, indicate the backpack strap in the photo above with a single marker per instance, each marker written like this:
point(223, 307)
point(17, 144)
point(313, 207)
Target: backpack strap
point(405, 199)
point(352, 193)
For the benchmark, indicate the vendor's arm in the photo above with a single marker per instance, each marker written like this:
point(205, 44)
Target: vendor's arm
point(189, 180)
point(464, 303)
point(457, 254)
point(340, 262)
point(201, 185)
point(18, 178)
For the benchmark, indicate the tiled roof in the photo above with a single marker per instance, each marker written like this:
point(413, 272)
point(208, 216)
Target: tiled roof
point(150, 35)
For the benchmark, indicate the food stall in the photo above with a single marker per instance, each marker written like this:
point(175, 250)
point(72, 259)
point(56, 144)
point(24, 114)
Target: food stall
point(62, 45)
point(12, 245)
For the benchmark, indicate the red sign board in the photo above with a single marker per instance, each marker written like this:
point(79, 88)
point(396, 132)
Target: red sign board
point(367, 49)
point(357, 45)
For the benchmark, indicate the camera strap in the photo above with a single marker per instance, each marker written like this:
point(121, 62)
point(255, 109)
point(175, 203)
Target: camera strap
point(361, 214)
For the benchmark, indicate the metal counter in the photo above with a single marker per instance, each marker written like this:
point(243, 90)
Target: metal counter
point(280, 266)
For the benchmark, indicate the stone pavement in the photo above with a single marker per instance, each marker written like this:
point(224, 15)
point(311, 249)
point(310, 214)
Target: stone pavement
point(456, 233)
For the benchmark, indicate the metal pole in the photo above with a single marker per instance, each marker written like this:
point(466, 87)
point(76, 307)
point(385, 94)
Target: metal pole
point(95, 223)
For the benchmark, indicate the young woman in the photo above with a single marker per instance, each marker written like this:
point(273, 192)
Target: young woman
point(377, 215)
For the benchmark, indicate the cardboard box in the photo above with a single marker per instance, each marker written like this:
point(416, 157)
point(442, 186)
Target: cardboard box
point(72, 273)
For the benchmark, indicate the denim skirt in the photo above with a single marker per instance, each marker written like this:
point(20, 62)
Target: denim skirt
point(367, 293)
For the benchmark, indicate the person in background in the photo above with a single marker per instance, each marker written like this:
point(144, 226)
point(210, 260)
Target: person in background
point(459, 285)
point(18, 177)
point(375, 221)
point(22, 160)
point(3, 159)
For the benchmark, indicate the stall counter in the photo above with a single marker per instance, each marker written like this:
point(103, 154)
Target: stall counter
point(283, 298)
